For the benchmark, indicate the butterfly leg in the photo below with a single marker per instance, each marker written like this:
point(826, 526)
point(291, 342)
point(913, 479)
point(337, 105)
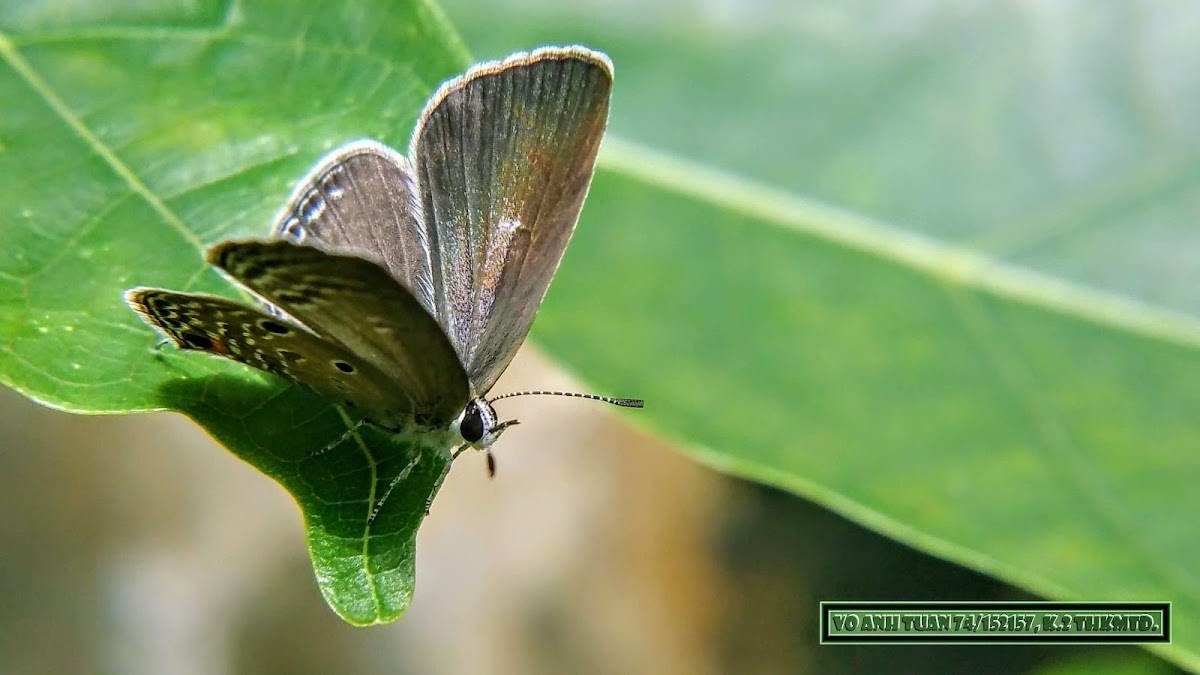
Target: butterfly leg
point(338, 441)
point(499, 428)
point(437, 485)
point(445, 472)
point(396, 481)
point(491, 459)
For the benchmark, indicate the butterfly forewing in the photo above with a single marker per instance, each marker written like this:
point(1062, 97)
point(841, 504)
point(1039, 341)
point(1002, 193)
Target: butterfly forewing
point(503, 157)
point(356, 303)
point(362, 197)
point(225, 328)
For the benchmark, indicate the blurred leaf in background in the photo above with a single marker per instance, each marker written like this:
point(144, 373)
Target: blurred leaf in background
point(986, 345)
point(927, 265)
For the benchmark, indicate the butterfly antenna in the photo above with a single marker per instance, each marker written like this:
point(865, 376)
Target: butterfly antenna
point(623, 402)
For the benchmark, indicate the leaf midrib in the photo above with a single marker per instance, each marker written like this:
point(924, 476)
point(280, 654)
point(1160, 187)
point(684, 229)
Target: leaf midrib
point(951, 264)
point(11, 56)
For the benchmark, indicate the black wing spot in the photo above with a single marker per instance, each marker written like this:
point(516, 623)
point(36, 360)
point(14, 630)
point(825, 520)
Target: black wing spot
point(197, 341)
point(292, 229)
point(311, 206)
point(331, 182)
point(274, 327)
point(343, 366)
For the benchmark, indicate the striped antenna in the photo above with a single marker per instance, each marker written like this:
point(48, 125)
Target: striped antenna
point(623, 402)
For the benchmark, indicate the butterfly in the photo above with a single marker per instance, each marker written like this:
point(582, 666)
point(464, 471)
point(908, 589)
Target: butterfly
point(403, 286)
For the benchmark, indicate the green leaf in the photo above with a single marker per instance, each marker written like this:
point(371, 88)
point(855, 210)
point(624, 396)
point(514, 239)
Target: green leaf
point(134, 135)
point(990, 348)
point(991, 353)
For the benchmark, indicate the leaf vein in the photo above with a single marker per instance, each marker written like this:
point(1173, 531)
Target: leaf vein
point(955, 265)
point(42, 88)
point(1015, 376)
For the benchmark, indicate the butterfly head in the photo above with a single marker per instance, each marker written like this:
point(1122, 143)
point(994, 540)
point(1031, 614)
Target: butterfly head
point(479, 426)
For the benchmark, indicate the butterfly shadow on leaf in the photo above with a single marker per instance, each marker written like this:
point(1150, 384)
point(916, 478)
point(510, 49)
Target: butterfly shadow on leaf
point(285, 432)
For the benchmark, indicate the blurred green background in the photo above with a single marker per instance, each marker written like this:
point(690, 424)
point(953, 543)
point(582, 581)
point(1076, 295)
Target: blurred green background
point(1033, 419)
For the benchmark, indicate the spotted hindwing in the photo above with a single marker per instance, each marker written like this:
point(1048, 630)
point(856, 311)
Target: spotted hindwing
point(362, 198)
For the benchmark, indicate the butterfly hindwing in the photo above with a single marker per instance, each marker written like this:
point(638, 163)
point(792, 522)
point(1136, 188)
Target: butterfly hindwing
point(235, 331)
point(357, 304)
point(362, 198)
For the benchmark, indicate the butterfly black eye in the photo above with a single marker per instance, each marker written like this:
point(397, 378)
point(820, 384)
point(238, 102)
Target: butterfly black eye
point(472, 423)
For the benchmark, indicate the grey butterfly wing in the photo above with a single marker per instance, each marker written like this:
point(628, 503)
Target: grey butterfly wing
point(362, 197)
point(503, 158)
point(357, 304)
point(229, 329)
